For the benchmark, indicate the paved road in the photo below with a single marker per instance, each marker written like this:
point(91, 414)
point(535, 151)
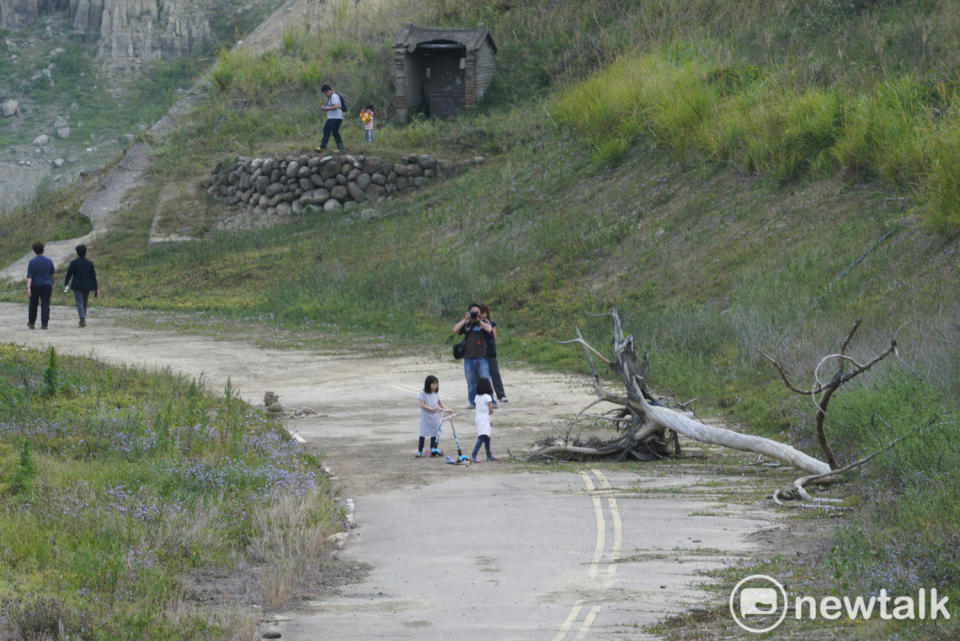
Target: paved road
point(491, 551)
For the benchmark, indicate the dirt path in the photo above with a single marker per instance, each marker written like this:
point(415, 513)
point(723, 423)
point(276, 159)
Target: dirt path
point(491, 551)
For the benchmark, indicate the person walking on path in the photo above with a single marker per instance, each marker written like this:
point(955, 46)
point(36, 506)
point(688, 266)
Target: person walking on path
point(40, 271)
point(475, 366)
point(482, 418)
point(334, 109)
point(492, 364)
point(366, 116)
point(84, 281)
point(430, 415)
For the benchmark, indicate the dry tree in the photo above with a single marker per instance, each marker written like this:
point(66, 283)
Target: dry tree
point(648, 429)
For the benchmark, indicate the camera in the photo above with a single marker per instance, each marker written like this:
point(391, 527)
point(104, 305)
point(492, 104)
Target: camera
point(474, 314)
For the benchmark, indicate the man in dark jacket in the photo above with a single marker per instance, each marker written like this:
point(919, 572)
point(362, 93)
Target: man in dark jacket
point(40, 271)
point(84, 281)
point(475, 330)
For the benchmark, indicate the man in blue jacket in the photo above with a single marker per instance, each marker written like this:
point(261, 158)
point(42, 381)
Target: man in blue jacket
point(84, 281)
point(40, 271)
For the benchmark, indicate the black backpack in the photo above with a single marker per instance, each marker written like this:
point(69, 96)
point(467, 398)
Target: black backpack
point(343, 103)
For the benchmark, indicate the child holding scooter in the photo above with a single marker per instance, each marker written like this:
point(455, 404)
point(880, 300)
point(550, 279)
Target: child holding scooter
point(484, 408)
point(431, 408)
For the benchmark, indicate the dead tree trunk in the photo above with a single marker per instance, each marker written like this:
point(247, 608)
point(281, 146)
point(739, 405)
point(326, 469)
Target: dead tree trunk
point(650, 421)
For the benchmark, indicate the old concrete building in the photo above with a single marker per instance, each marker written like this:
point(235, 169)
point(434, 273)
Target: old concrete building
point(442, 72)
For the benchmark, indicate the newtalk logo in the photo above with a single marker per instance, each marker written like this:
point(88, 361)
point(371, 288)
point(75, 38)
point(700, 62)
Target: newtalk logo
point(759, 604)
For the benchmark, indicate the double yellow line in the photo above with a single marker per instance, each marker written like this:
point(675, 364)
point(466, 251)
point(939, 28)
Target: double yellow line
point(594, 572)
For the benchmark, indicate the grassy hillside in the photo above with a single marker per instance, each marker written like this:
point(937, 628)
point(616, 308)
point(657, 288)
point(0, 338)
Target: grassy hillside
point(120, 491)
point(735, 177)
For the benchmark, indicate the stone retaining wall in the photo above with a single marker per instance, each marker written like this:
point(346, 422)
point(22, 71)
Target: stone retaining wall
point(296, 184)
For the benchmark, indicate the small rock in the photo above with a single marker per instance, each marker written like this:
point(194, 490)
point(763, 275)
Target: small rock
point(41, 140)
point(60, 122)
point(63, 132)
point(9, 108)
point(332, 205)
point(58, 162)
point(292, 169)
point(339, 192)
point(272, 634)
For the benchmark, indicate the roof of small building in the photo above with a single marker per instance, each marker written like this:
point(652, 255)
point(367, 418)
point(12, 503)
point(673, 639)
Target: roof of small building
point(473, 38)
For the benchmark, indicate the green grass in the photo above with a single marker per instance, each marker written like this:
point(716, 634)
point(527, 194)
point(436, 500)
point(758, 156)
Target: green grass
point(50, 215)
point(116, 484)
point(901, 130)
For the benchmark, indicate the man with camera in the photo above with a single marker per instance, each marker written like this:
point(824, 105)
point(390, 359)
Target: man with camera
point(476, 331)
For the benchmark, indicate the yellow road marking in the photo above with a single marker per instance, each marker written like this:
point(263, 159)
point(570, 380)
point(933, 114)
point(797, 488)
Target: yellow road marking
point(574, 613)
point(617, 523)
point(587, 622)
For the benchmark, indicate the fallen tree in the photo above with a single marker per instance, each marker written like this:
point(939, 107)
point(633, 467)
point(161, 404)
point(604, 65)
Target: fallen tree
point(648, 427)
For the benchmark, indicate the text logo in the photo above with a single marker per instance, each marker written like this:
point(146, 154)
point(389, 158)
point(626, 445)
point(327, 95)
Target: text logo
point(758, 603)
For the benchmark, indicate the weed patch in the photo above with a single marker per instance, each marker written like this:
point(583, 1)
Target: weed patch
point(119, 483)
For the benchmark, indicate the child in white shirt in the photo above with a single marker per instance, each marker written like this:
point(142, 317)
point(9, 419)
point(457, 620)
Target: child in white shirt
point(484, 408)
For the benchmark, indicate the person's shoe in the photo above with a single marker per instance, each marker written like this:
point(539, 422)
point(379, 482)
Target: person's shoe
point(320, 149)
point(339, 150)
point(492, 458)
point(30, 326)
point(418, 454)
point(475, 460)
point(471, 407)
point(43, 327)
point(436, 451)
point(502, 399)
point(83, 323)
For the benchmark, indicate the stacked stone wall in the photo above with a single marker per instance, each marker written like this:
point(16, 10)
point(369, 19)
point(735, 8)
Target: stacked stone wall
point(295, 185)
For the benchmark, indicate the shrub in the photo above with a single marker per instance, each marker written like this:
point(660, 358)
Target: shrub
point(50, 377)
point(22, 482)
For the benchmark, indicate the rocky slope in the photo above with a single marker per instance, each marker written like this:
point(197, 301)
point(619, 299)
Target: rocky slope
point(123, 29)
